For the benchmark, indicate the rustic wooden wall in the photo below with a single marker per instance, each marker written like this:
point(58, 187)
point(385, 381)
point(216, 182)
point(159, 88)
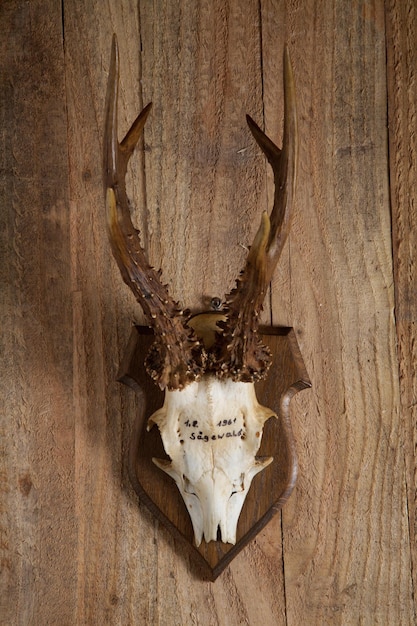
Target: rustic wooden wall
point(77, 547)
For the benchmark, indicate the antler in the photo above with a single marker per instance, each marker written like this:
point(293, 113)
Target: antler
point(175, 357)
point(239, 352)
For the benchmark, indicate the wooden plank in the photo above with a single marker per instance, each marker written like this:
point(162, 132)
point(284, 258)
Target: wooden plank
point(346, 552)
point(401, 20)
point(39, 521)
point(116, 538)
point(201, 67)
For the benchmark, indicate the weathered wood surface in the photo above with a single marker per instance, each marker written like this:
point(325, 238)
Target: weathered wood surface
point(402, 117)
point(77, 547)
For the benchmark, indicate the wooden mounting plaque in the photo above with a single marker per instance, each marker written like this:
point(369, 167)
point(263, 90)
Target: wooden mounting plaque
point(270, 489)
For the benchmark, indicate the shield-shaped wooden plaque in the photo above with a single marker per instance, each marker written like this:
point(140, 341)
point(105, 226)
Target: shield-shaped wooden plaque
point(270, 489)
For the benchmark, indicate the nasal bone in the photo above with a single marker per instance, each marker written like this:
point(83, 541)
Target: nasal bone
point(216, 523)
point(212, 526)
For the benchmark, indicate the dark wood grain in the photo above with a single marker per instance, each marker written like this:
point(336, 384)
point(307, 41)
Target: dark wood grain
point(37, 420)
point(402, 113)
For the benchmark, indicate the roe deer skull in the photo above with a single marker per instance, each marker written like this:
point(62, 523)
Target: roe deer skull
point(211, 422)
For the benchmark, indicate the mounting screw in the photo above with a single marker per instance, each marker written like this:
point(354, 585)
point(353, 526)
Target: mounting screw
point(216, 303)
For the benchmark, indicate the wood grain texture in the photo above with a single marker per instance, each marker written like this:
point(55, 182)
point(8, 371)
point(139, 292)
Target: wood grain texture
point(348, 516)
point(77, 546)
point(402, 112)
point(37, 419)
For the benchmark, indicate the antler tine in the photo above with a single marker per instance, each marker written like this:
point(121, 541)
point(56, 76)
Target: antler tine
point(284, 165)
point(240, 353)
point(174, 359)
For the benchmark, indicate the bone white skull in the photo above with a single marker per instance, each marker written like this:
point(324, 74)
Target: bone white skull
point(211, 422)
point(212, 431)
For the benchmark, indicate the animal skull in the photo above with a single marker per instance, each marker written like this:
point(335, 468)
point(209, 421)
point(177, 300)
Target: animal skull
point(211, 423)
point(212, 430)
